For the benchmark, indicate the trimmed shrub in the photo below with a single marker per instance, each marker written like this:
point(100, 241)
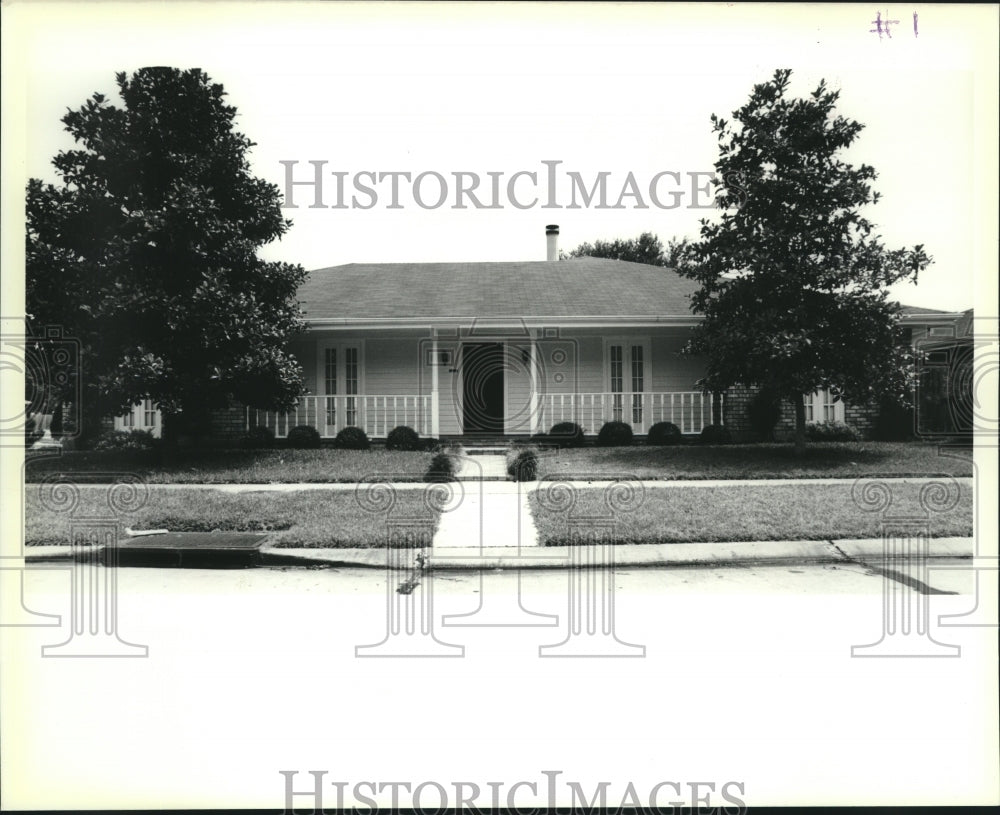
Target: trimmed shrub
point(764, 412)
point(303, 437)
point(352, 438)
point(125, 440)
point(566, 434)
point(403, 438)
point(831, 431)
point(256, 437)
point(664, 433)
point(715, 434)
point(430, 445)
point(522, 464)
point(615, 434)
point(443, 467)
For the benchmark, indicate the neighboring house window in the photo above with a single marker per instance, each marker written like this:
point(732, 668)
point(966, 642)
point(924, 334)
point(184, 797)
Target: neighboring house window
point(144, 416)
point(821, 407)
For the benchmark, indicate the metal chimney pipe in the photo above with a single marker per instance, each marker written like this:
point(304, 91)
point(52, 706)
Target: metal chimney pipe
point(552, 242)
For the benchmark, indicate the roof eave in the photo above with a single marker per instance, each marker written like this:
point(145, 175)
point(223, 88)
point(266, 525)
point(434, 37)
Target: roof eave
point(582, 321)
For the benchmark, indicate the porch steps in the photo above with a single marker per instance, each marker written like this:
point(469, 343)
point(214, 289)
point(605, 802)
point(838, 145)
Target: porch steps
point(485, 467)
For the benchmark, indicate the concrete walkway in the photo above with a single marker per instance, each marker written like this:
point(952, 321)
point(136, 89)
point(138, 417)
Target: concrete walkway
point(492, 514)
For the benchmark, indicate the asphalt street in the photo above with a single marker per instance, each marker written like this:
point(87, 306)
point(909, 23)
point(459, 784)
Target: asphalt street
point(708, 674)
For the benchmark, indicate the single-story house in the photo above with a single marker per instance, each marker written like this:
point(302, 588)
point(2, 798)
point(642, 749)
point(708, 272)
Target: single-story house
point(505, 349)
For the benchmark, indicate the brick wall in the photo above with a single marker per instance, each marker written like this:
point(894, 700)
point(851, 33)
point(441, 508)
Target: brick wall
point(227, 426)
point(862, 418)
point(736, 417)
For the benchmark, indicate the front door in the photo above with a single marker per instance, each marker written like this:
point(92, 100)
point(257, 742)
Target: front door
point(482, 387)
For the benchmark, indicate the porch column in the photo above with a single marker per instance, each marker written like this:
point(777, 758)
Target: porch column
point(435, 401)
point(533, 381)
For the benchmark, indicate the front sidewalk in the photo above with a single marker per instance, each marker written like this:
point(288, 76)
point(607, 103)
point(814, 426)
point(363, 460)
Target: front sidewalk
point(745, 553)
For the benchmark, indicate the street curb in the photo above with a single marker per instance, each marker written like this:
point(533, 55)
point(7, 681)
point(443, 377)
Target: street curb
point(557, 557)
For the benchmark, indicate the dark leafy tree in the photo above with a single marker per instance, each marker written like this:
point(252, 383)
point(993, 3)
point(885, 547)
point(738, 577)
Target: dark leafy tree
point(147, 253)
point(647, 248)
point(644, 249)
point(793, 277)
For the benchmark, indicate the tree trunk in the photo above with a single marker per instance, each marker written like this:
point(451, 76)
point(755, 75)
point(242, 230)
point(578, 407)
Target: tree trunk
point(800, 425)
point(91, 412)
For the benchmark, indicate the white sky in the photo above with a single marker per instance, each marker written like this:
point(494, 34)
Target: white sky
point(614, 88)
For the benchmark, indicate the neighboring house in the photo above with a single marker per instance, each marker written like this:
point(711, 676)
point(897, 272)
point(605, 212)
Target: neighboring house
point(946, 346)
point(505, 349)
point(144, 416)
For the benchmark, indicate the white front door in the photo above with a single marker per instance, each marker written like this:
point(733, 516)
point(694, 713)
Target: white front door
point(627, 376)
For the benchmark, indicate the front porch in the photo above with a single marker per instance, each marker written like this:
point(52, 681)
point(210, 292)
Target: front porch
point(377, 414)
point(505, 380)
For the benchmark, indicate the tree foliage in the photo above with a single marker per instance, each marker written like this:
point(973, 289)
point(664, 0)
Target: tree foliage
point(147, 253)
point(793, 276)
point(647, 248)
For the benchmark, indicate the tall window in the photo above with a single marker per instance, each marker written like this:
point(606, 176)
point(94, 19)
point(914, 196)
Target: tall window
point(330, 385)
point(351, 383)
point(627, 378)
point(637, 371)
point(616, 381)
point(341, 376)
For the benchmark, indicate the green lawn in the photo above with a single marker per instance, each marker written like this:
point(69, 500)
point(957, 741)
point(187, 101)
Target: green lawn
point(239, 466)
point(745, 513)
point(304, 518)
point(750, 461)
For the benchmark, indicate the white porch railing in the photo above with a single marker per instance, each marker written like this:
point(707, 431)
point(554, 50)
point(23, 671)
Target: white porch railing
point(689, 410)
point(375, 414)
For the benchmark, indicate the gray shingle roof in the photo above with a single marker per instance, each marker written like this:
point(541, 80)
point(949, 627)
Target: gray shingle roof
point(581, 287)
point(917, 310)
